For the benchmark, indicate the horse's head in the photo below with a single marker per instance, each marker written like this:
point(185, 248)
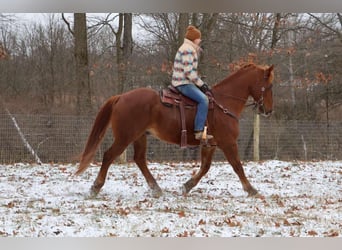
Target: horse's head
point(262, 90)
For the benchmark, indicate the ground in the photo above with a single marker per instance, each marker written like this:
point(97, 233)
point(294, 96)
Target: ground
point(299, 199)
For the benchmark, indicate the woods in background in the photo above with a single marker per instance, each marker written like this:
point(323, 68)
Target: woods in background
point(44, 68)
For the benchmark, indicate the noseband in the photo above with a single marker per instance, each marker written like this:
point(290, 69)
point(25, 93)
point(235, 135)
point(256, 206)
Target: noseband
point(260, 103)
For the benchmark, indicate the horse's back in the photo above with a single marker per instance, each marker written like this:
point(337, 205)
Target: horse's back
point(140, 98)
point(140, 94)
point(135, 107)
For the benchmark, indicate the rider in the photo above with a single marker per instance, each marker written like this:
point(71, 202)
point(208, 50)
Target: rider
point(186, 79)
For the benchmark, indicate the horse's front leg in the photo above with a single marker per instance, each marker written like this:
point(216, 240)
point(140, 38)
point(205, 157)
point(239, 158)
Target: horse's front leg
point(206, 158)
point(232, 155)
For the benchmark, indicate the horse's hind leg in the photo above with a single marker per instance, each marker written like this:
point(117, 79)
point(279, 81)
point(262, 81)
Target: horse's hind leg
point(140, 160)
point(206, 158)
point(108, 157)
point(231, 153)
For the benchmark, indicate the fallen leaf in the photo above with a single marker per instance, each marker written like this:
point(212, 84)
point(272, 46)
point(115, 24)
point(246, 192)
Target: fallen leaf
point(312, 233)
point(202, 222)
point(181, 214)
point(184, 234)
point(10, 204)
point(286, 223)
point(331, 233)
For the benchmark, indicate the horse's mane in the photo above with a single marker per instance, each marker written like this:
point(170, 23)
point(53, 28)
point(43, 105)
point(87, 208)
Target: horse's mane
point(241, 69)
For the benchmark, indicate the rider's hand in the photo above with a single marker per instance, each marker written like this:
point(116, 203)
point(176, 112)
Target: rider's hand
point(205, 88)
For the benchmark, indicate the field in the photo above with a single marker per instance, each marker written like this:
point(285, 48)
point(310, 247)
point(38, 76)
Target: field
point(299, 199)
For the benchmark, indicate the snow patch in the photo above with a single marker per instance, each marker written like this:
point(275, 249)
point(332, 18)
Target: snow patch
point(300, 199)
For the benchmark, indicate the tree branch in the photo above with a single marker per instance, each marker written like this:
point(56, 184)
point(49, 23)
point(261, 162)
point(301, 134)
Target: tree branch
point(68, 24)
point(339, 34)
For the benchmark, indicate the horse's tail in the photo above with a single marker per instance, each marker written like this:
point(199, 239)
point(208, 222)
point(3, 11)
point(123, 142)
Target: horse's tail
point(97, 133)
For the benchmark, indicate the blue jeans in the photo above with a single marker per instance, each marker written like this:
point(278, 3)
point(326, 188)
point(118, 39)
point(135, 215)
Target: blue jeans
point(194, 93)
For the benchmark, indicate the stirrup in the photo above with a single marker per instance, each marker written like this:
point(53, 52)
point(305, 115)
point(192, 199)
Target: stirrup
point(202, 136)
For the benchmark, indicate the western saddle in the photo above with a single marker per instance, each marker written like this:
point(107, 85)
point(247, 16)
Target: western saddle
point(170, 97)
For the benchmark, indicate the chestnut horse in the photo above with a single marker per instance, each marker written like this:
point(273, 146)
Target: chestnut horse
point(133, 113)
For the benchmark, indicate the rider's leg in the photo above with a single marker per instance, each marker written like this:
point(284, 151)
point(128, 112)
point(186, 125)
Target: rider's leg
point(193, 92)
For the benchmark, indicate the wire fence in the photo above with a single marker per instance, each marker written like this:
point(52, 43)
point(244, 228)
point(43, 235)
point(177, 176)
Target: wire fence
point(61, 138)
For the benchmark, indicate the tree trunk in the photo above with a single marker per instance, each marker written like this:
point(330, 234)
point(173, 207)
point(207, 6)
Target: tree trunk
point(124, 48)
point(207, 26)
point(124, 55)
point(127, 49)
point(127, 36)
point(81, 58)
point(275, 32)
point(290, 44)
point(182, 25)
point(119, 55)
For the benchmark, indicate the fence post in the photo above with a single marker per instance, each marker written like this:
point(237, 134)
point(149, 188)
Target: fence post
point(256, 136)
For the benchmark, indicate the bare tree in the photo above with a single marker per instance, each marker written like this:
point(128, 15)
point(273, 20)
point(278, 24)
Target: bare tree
point(275, 33)
point(5, 20)
point(81, 58)
point(120, 25)
point(79, 32)
point(168, 29)
point(42, 64)
point(125, 51)
point(207, 25)
point(182, 25)
point(331, 24)
point(163, 27)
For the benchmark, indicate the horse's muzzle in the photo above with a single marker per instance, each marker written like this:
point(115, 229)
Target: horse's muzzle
point(266, 113)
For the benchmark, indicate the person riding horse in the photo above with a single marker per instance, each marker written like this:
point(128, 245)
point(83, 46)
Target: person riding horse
point(185, 78)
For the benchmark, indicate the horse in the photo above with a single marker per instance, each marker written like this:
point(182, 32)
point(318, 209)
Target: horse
point(135, 114)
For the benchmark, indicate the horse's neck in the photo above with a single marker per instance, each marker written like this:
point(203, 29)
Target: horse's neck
point(232, 93)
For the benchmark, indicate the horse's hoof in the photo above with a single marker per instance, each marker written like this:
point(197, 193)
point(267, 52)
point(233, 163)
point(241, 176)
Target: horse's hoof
point(257, 196)
point(188, 186)
point(93, 192)
point(252, 192)
point(185, 191)
point(156, 193)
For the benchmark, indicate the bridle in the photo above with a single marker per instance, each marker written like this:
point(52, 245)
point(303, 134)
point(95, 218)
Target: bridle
point(257, 105)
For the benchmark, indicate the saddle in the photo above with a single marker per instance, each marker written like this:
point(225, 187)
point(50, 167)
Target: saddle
point(170, 97)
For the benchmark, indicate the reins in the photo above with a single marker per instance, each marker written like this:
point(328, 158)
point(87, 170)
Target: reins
point(238, 98)
point(255, 104)
point(224, 110)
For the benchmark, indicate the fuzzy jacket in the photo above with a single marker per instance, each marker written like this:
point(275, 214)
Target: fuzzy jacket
point(185, 65)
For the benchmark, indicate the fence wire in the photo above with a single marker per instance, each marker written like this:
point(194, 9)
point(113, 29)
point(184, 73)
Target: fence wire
point(61, 138)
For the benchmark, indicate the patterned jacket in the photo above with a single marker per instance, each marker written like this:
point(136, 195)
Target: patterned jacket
point(185, 65)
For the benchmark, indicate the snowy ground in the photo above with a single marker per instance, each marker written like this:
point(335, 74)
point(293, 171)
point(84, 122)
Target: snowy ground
point(300, 199)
